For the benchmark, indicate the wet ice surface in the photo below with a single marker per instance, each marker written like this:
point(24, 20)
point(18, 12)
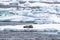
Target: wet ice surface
point(34, 12)
point(43, 30)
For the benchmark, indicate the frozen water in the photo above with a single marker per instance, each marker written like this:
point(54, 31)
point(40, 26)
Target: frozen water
point(36, 12)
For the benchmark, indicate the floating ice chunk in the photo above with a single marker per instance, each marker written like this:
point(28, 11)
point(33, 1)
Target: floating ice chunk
point(27, 19)
point(47, 0)
point(4, 0)
point(50, 30)
point(58, 0)
point(54, 9)
point(50, 0)
point(39, 4)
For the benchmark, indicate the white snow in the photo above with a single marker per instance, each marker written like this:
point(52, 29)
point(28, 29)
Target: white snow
point(48, 12)
point(35, 26)
point(40, 4)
